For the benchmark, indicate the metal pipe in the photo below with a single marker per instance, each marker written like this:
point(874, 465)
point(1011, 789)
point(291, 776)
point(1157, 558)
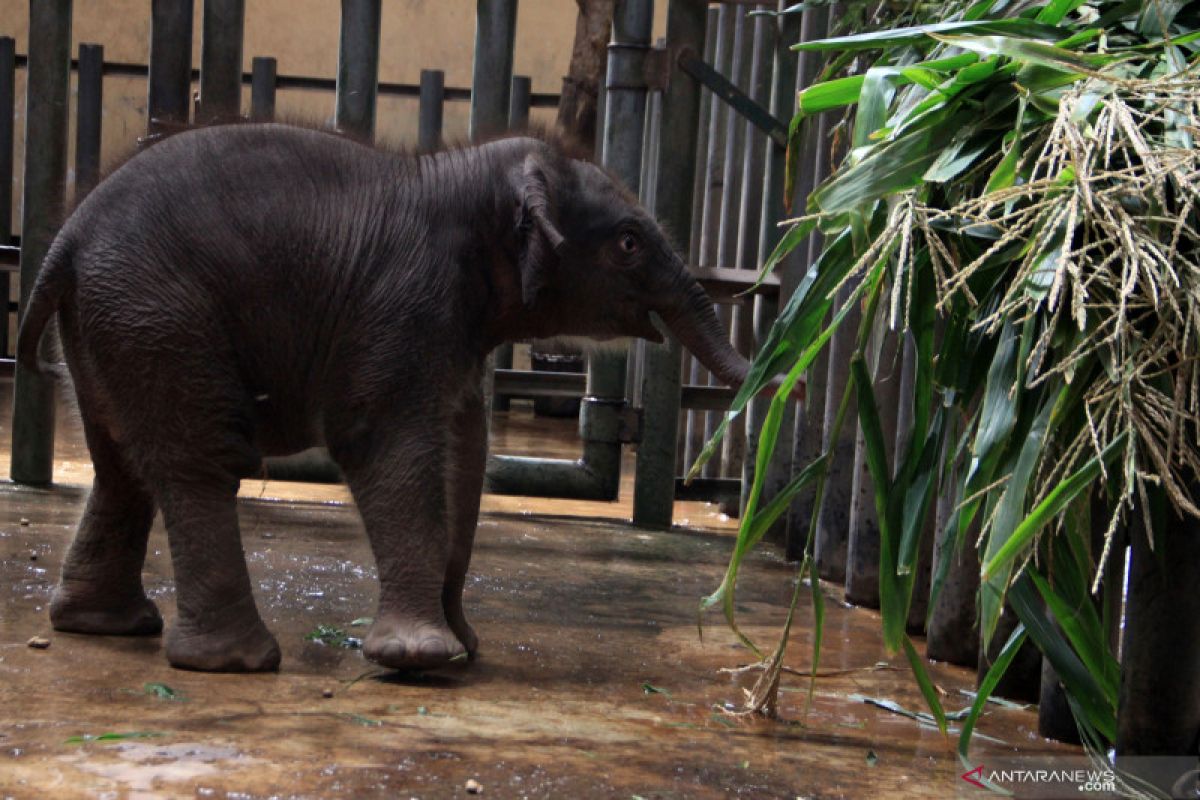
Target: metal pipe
point(8, 109)
point(727, 218)
point(89, 106)
point(700, 426)
point(262, 89)
point(654, 488)
point(169, 93)
point(491, 79)
point(358, 68)
point(518, 102)
point(429, 114)
point(779, 35)
point(518, 120)
point(700, 184)
point(46, 103)
point(221, 61)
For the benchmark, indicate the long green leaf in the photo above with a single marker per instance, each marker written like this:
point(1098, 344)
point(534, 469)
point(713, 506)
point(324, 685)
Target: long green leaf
point(988, 685)
point(901, 36)
point(1063, 493)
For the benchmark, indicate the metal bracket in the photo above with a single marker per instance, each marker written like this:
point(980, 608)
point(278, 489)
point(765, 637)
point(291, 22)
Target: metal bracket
point(626, 65)
point(738, 100)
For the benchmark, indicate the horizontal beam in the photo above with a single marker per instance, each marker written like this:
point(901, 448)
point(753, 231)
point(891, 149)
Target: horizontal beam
point(536, 99)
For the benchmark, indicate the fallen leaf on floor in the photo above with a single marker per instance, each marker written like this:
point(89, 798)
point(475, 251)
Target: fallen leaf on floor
point(112, 737)
point(163, 692)
point(333, 636)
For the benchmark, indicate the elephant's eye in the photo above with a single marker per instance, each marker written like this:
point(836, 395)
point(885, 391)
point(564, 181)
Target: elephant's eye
point(629, 243)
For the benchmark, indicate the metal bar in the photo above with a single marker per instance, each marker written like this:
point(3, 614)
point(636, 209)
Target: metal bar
point(46, 103)
point(8, 108)
point(518, 120)
point(429, 114)
point(221, 61)
point(307, 82)
point(544, 477)
point(706, 109)
point(738, 100)
point(169, 94)
point(733, 446)
point(89, 104)
point(654, 488)
point(491, 79)
point(262, 89)
point(358, 68)
point(701, 426)
point(518, 102)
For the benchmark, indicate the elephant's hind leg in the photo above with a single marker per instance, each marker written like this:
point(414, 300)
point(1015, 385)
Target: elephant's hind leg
point(398, 481)
point(218, 628)
point(101, 590)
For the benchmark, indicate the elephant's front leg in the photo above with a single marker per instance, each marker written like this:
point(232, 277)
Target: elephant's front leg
point(397, 476)
point(464, 484)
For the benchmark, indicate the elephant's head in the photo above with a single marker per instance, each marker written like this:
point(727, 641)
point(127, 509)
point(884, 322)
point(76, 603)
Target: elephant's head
point(593, 263)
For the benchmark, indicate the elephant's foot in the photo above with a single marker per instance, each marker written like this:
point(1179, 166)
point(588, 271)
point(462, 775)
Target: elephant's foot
point(403, 643)
point(75, 610)
point(239, 646)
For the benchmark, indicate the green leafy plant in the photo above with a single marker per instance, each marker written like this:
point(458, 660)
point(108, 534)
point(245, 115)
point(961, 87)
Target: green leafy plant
point(1019, 200)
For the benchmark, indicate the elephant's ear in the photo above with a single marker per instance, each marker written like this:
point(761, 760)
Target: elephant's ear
point(540, 239)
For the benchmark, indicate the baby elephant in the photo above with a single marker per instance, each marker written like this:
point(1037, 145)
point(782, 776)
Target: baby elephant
point(255, 290)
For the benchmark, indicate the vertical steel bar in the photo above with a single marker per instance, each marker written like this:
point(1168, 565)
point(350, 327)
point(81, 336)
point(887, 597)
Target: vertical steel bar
point(89, 108)
point(519, 101)
point(169, 95)
point(429, 115)
point(752, 321)
point(518, 120)
point(727, 215)
point(707, 101)
point(654, 489)
point(783, 32)
point(46, 112)
point(8, 109)
point(262, 89)
point(221, 61)
point(491, 80)
point(621, 153)
point(699, 423)
point(358, 68)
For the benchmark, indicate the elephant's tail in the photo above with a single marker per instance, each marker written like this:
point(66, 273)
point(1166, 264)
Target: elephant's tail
point(52, 282)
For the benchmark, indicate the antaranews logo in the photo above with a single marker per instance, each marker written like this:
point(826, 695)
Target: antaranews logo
point(1043, 781)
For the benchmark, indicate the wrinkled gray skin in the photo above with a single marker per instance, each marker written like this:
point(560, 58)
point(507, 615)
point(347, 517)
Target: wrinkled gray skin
point(239, 292)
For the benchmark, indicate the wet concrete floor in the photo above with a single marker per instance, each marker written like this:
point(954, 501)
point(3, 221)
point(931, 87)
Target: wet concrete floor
point(591, 681)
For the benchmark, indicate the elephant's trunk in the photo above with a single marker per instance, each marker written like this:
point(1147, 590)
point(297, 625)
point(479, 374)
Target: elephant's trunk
point(689, 314)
